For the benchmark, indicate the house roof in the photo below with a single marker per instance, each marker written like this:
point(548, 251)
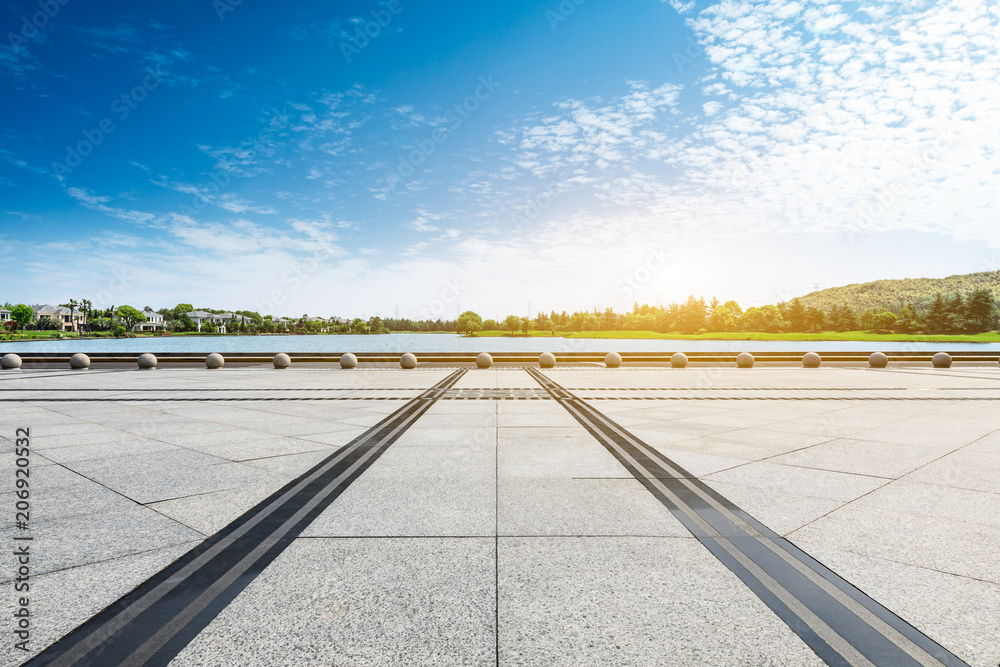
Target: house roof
point(210, 316)
point(47, 309)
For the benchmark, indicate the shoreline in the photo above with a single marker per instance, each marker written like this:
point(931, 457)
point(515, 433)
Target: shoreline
point(739, 336)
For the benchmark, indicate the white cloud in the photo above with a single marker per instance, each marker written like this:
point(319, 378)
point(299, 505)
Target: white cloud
point(819, 120)
point(580, 135)
point(712, 108)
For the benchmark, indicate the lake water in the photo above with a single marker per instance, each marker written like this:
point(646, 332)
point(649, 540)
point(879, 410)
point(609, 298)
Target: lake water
point(402, 342)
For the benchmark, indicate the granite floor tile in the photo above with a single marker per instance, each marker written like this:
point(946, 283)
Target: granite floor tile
point(65, 599)
point(946, 545)
point(632, 601)
point(799, 481)
point(573, 507)
point(423, 601)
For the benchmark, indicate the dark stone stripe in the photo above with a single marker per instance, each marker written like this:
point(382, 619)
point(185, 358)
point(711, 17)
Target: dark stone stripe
point(786, 398)
point(832, 608)
point(127, 630)
point(273, 399)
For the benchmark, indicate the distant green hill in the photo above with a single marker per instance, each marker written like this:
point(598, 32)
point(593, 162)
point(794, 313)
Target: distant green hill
point(895, 294)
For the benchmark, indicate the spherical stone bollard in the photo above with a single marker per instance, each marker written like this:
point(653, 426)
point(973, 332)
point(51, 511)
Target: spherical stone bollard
point(408, 360)
point(215, 360)
point(10, 362)
point(147, 361)
point(612, 360)
point(79, 361)
point(744, 360)
point(282, 360)
point(547, 360)
point(484, 360)
point(811, 360)
point(679, 360)
point(941, 360)
point(348, 360)
point(878, 360)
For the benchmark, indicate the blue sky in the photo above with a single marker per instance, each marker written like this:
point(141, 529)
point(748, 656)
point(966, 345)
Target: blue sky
point(488, 155)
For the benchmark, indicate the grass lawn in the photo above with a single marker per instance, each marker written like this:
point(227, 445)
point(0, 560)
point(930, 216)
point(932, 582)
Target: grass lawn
point(991, 337)
point(533, 334)
point(40, 335)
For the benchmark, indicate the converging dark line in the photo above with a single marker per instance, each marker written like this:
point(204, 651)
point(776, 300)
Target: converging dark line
point(839, 622)
point(153, 623)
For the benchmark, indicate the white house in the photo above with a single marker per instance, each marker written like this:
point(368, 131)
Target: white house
point(154, 321)
point(4, 314)
point(218, 320)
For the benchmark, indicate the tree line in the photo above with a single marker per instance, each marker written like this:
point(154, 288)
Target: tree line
point(972, 313)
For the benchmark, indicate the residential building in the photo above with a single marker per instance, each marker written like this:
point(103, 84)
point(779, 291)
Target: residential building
point(319, 320)
point(71, 320)
point(4, 315)
point(154, 321)
point(218, 320)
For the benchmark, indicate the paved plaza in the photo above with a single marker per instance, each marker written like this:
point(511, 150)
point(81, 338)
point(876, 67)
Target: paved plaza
point(511, 515)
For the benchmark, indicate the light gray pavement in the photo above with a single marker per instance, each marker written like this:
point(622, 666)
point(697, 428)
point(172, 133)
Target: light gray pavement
point(498, 529)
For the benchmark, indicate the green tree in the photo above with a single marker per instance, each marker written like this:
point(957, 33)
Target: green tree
point(980, 311)
point(85, 305)
point(956, 315)
point(526, 324)
point(491, 325)
point(724, 317)
point(877, 319)
point(512, 323)
point(734, 308)
point(469, 323)
point(795, 315)
point(842, 318)
point(937, 315)
point(22, 314)
point(884, 320)
point(867, 320)
point(815, 319)
point(907, 322)
point(253, 316)
point(766, 318)
point(46, 323)
point(692, 315)
point(130, 316)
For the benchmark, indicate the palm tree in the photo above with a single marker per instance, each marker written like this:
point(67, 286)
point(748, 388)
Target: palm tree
point(85, 305)
point(73, 304)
